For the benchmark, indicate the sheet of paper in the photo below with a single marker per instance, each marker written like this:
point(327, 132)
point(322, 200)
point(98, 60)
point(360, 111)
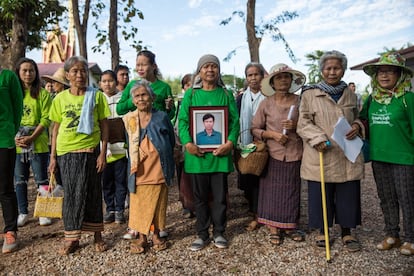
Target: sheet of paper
point(351, 148)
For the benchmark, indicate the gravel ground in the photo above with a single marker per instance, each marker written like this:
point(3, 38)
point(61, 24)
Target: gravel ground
point(250, 253)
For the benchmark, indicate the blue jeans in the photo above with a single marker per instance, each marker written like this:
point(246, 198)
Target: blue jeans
point(114, 185)
point(21, 177)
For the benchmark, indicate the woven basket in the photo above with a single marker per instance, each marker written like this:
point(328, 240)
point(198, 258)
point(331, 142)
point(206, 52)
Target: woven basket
point(49, 206)
point(255, 162)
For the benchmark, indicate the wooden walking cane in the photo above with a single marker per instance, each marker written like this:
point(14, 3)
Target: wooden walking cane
point(325, 216)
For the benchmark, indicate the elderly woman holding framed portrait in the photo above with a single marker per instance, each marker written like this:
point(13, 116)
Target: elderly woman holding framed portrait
point(209, 169)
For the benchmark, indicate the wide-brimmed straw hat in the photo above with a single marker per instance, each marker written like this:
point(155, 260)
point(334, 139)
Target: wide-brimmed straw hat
point(298, 79)
point(59, 76)
point(389, 59)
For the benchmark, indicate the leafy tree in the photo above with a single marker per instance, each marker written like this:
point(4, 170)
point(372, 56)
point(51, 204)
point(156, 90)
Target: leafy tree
point(126, 12)
point(314, 75)
point(23, 26)
point(232, 81)
point(175, 84)
point(255, 33)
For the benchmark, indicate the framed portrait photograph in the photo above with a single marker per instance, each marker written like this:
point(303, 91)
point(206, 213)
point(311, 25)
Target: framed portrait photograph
point(209, 126)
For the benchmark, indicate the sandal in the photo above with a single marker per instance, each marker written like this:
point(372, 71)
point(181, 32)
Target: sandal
point(389, 243)
point(69, 247)
point(351, 244)
point(295, 235)
point(137, 246)
point(275, 239)
point(100, 246)
point(159, 245)
point(407, 249)
point(320, 241)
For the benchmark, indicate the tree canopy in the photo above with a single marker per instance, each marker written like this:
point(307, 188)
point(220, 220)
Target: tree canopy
point(23, 26)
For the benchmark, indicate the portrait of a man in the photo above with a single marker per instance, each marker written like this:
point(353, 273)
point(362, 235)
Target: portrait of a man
point(208, 136)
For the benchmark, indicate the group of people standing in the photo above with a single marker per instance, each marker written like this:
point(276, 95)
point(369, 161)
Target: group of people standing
point(297, 129)
point(90, 131)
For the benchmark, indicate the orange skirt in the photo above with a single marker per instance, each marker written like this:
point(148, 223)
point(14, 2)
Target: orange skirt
point(148, 205)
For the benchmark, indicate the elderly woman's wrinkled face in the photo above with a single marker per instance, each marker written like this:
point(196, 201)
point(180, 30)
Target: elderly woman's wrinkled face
point(387, 76)
point(142, 99)
point(78, 75)
point(209, 72)
point(332, 71)
point(282, 82)
point(253, 78)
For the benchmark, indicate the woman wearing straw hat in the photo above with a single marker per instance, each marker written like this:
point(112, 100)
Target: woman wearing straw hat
point(58, 80)
point(275, 122)
point(389, 112)
point(321, 106)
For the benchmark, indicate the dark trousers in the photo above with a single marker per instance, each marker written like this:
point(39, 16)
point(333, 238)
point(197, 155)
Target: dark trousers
point(343, 203)
point(396, 190)
point(249, 183)
point(114, 185)
point(203, 185)
point(8, 198)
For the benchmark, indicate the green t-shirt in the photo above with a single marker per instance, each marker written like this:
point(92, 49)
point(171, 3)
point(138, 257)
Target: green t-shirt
point(391, 130)
point(66, 109)
point(162, 91)
point(198, 97)
point(11, 107)
point(36, 112)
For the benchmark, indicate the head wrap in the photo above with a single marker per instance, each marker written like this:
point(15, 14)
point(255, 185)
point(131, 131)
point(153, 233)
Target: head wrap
point(201, 62)
point(207, 59)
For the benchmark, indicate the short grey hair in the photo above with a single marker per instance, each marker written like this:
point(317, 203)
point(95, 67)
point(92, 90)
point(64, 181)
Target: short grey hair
point(142, 83)
point(75, 59)
point(333, 54)
point(257, 65)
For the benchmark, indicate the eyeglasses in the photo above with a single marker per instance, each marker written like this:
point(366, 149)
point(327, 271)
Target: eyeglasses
point(387, 72)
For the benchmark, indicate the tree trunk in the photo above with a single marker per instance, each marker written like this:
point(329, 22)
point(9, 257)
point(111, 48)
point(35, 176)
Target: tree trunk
point(113, 33)
point(81, 28)
point(19, 36)
point(252, 40)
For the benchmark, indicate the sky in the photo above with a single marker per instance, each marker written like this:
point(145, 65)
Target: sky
point(179, 32)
